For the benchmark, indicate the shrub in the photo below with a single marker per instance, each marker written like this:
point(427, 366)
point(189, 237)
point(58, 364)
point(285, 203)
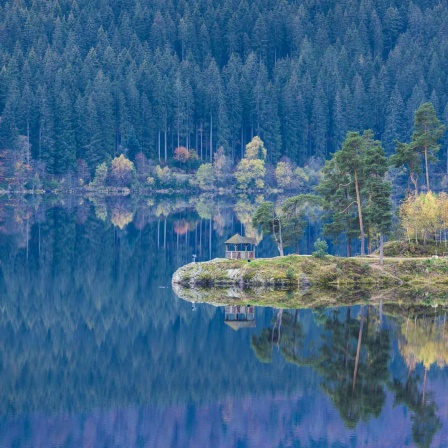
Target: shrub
point(164, 175)
point(320, 248)
point(205, 176)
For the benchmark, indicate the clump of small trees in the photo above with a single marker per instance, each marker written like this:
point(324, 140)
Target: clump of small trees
point(120, 173)
point(425, 217)
point(210, 176)
point(291, 177)
point(250, 172)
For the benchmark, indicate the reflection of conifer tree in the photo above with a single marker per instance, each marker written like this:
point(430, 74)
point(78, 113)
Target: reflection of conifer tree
point(286, 333)
point(353, 363)
point(425, 422)
point(352, 358)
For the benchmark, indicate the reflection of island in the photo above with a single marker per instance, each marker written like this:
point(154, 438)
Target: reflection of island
point(240, 316)
point(351, 353)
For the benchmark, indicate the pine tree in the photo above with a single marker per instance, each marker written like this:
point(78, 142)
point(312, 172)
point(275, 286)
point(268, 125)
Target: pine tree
point(351, 160)
point(406, 156)
point(355, 177)
point(428, 131)
point(377, 190)
point(336, 190)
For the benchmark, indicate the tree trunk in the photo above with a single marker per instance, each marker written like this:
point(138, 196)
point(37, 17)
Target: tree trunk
point(242, 141)
point(28, 146)
point(426, 167)
point(424, 388)
point(280, 237)
point(347, 340)
point(361, 226)
point(278, 240)
point(381, 248)
point(166, 149)
point(200, 130)
point(358, 349)
point(211, 138)
point(381, 313)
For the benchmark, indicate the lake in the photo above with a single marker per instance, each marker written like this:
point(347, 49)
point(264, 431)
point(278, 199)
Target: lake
point(97, 350)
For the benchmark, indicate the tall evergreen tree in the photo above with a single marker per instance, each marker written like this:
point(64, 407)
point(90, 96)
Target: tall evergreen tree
point(428, 131)
point(377, 190)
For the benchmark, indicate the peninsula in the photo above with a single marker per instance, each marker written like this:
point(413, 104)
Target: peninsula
point(303, 271)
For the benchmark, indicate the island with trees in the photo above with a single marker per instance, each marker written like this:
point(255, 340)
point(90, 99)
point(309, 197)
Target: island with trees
point(354, 198)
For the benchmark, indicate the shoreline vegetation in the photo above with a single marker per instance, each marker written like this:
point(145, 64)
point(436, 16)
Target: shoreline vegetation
point(185, 171)
point(304, 271)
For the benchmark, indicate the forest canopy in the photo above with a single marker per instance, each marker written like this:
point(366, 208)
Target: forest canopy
point(83, 82)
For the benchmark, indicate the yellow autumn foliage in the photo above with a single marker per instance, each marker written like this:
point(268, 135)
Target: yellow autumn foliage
point(425, 216)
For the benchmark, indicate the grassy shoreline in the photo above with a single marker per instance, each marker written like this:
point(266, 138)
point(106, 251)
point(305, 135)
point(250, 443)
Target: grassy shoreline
point(297, 271)
point(303, 281)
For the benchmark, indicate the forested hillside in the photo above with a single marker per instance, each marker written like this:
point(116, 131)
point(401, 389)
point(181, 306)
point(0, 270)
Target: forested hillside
point(87, 80)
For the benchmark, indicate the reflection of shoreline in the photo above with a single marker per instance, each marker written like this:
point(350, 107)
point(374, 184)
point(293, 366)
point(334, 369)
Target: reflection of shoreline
point(18, 212)
point(400, 299)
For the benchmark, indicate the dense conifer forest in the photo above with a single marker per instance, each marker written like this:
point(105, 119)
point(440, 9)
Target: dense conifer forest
point(83, 81)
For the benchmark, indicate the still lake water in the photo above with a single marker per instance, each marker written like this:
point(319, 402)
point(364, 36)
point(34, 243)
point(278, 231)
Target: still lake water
point(97, 350)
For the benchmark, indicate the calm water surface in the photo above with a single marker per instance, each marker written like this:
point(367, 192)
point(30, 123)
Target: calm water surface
point(98, 351)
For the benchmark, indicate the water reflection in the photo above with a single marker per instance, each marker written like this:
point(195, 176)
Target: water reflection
point(98, 351)
point(352, 358)
point(240, 316)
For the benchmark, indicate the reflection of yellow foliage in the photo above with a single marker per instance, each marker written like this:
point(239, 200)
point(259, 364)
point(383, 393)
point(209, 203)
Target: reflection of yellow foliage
point(227, 411)
point(424, 342)
point(219, 223)
point(252, 232)
point(204, 208)
point(244, 210)
point(22, 215)
point(121, 218)
point(163, 209)
point(101, 211)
